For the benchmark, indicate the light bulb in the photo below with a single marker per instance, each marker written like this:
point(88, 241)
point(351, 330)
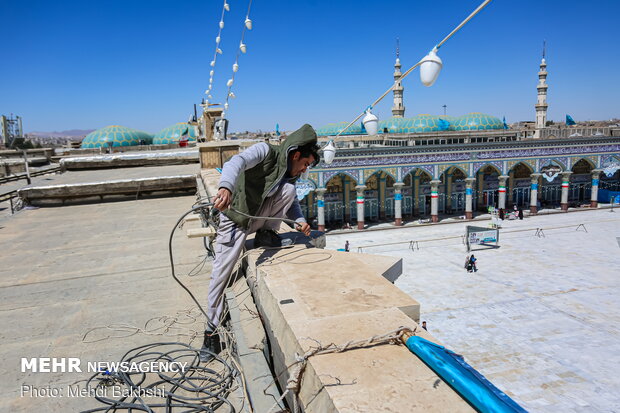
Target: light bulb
point(329, 152)
point(243, 47)
point(211, 73)
point(371, 123)
point(229, 83)
point(209, 96)
point(217, 40)
point(218, 50)
point(232, 95)
point(226, 6)
point(235, 67)
point(212, 63)
point(225, 106)
point(248, 23)
point(222, 24)
point(430, 68)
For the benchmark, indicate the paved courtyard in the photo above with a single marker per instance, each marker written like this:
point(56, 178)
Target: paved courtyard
point(541, 317)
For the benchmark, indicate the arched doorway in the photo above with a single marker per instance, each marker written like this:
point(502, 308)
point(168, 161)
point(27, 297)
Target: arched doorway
point(520, 180)
point(488, 187)
point(580, 188)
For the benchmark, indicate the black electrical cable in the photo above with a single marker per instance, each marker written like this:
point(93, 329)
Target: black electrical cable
point(194, 389)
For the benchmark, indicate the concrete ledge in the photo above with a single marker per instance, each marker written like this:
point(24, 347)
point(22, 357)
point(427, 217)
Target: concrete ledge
point(308, 296)
point(34, 195)
point(130, 159)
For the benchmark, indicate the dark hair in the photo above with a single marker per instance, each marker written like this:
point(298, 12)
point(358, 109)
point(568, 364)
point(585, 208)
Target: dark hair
point(309, 149)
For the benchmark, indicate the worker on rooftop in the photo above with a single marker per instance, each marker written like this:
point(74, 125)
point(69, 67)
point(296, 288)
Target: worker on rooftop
point(259, 182)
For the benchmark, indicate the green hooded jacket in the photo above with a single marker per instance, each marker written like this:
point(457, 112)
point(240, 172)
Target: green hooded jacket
point(253, 186)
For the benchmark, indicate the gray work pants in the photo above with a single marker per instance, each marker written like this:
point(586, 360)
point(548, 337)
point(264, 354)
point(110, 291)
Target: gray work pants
point(230, 241)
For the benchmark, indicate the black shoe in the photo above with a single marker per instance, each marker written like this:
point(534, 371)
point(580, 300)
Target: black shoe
point(211, 347)
point(267, 238)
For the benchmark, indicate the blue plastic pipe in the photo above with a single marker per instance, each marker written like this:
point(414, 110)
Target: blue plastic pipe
point(467, 381)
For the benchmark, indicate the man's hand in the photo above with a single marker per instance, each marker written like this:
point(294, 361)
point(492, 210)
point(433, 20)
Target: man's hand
point(305, 228)
point(222, 199)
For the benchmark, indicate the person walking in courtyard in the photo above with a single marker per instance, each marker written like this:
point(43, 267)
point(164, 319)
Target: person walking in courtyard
point(346, 246)
point(468, 263)
point(520, 213)
point(472, 263)
point(424, 325)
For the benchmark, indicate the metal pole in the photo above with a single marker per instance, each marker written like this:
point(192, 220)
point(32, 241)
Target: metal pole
point(27, 168)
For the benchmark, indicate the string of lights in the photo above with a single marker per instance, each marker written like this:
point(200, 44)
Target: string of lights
point(218, 51)
point(247, 25)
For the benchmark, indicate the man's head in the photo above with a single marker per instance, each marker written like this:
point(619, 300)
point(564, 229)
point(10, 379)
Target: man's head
point(302, 158)
point(423, 323)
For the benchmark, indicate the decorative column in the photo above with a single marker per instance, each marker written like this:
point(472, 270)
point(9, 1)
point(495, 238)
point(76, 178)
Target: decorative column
point(511, 187)
point(448, 194)
point(469, 183)
point(398, 204)
point(565, 186)
point(320, 207)
point(501, 203)
point(534, 193)
point(435, 200)
point(360, 206)
point(594, 192)
point(416, 195)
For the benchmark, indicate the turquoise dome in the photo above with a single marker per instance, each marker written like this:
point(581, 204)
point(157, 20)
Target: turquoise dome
point(333, 129)
point(425, 123)
point(476, 121)
point(118, 135)
point(172, 134)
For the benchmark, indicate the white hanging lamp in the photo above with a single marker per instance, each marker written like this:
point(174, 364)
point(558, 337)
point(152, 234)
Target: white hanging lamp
point(211, 73)
point(329, 152)
point(371, 122)
point(232, 95)
point(235, 67)
point(225, 106)
point(430, 68)
point(212, 63)
point(217, 39)
point(248, 23)
point(221, 24)
point(226, 6)
point(218, 50)
point(230, 82)
point(243, 47)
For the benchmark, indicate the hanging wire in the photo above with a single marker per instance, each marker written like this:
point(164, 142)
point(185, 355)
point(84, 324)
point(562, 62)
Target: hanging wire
point(218, 39)
point(247, 25)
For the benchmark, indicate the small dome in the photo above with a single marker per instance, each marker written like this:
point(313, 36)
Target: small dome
point(417, 124)
point(391, 125)
point(118, 135)
point(172, 134)
point(476, 121)
point(332, 129)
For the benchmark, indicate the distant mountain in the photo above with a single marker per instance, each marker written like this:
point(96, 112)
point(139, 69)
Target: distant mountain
point(72, 133)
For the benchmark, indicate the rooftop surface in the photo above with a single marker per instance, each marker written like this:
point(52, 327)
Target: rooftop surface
point(79, 281)
point(541, 317)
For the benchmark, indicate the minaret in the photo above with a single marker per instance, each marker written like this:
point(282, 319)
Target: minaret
point(541, 105)
point(398, 110)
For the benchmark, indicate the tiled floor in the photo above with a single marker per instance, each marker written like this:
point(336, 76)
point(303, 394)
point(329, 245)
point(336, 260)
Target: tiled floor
point(541, 317)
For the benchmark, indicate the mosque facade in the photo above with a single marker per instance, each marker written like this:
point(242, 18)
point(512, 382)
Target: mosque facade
point(424, 166)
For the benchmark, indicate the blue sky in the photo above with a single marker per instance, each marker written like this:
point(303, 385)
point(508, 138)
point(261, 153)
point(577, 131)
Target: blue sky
point(143, 64)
